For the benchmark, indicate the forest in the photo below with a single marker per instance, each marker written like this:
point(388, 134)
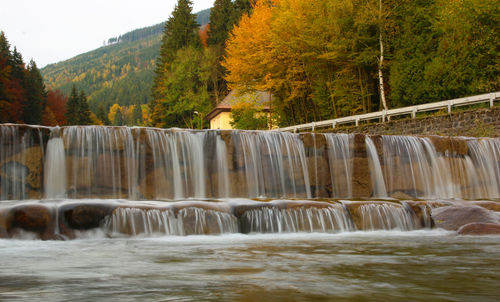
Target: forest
point(325, 59)
point(320, 59)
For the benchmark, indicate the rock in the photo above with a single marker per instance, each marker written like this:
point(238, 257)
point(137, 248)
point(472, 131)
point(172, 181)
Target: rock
point(401, 195)
point(423, 211)
point(319, 175)
point(453, 217)
point(451, 145)
point(489, 205)
point(85, 216)
point(157, 185)
point(361, 178)
point(24, 168)
point(313, 140)
point(479, 229)
point(33, 218)
point(4, 223)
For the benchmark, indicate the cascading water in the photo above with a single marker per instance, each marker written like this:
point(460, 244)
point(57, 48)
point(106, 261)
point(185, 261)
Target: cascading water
point(187, 221)
point(340, 163)
point(485, 157)
point(173, 165)
point(379, 188)
point(55, 169)
point(386, 216)
point(299, 219)
point(17, 148)
point(274, 164)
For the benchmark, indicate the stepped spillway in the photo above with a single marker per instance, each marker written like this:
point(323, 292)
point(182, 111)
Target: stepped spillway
point(139, 179)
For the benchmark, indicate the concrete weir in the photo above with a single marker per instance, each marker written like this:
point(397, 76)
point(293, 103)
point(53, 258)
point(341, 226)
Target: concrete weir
point(63, 182)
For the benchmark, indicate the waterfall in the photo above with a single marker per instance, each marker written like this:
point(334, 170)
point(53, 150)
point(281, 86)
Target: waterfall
point(18, 149)
point(275, 164)
point(224, 189)
point(340, 164)
point(188, 221)
point(379, 188)
point(55, 168)
point(175, 164)
point(372, 216)
point(101, 161)
point(300, 219)
point(485, 160)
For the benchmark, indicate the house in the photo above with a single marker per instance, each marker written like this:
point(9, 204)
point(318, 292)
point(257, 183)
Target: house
point(220, 117)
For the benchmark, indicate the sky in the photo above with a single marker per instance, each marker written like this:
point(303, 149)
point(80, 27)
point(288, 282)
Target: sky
point(49, 31)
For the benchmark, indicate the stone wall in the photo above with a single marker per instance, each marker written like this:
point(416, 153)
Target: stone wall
point(476, 123)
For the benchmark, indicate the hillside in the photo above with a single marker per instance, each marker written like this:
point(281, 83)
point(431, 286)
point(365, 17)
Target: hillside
point(119, 73)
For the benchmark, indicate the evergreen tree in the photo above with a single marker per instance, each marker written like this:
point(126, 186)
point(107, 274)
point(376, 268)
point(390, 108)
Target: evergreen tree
point(180, 32)
point(221, 22)
point(4, 77)
point(84, 113)
point(102, 115)
point(73, 107)
point(137, 114)
point(36, 96)
point(12, 81)
point(241, 7)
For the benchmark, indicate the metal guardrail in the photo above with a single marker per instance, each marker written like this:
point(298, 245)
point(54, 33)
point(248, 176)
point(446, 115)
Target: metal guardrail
point(387, 114)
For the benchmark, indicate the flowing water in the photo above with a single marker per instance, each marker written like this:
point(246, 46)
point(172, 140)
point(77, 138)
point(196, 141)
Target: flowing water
point(183, 215)
point(360, 266)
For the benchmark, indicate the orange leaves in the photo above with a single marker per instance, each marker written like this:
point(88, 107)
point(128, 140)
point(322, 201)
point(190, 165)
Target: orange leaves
point(203, 33)
point(249, 53)
point(55, 108)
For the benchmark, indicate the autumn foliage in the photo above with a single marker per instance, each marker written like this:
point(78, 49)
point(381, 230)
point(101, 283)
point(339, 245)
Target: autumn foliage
point(324, 59)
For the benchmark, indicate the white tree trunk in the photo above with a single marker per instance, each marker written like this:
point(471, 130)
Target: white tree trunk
point(381, 60)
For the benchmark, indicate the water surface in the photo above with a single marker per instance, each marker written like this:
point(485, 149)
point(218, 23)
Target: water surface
point(353, 266)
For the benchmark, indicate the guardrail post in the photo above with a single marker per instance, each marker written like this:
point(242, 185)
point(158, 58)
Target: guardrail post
point(414, 112)
point(357, 121)
point(313, 126)
point(334, 124)
point(449, 106)
point(492, 99)
point(383, 115)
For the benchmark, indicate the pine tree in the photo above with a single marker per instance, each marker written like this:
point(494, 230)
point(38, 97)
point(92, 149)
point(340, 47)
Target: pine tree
point(84, 113)
point(4, 77)
point(102, 115)
point(72, 107)
point(137, 114)
point(241, 7)
point(180, 32)
point(221, 22)
point(36, 96)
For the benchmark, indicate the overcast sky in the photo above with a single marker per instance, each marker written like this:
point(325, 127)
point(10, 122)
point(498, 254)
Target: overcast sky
point(50, 31)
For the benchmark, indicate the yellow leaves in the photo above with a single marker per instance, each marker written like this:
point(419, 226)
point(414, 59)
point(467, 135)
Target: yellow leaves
point(112, 112)
point(249, 50)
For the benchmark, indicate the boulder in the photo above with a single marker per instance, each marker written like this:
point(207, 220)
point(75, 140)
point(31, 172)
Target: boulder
point(453, 217)
point(479, 229)
point(85, 216)
point(490, 205)
point(32, 218)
